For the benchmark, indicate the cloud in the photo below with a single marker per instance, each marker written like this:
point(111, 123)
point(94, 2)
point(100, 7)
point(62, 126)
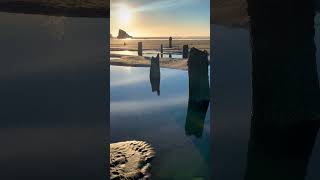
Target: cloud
point(152, 5)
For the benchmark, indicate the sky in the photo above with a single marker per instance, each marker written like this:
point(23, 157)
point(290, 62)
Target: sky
point(160, 18)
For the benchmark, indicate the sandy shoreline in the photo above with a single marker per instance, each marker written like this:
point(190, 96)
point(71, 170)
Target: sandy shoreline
point(126, 55)
point(138, 61)
point(68, 8)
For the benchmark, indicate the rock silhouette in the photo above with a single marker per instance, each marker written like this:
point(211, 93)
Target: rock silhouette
point(123, 35)
point(155, 74)
point(285, 90)
point(198, 75)
point(161, 50)
point(198, 92)
point(185, 51)
point(140, 49)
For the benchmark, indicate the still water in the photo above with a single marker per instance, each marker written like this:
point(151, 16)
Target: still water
point(147, 53)
point(164, 119)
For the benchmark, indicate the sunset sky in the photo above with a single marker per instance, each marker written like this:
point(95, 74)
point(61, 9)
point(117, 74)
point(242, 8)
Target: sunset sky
point(145, 18)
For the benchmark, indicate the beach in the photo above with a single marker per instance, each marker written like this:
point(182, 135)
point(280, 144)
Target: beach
point(123, 52)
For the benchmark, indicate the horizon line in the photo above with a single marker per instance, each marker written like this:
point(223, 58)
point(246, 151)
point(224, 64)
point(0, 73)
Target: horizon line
point(136, 37)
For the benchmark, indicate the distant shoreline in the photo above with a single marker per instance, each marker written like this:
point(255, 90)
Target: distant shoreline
point(165, 38)
point(42, 8)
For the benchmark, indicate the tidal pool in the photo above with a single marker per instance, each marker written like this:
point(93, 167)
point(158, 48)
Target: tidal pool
point(161, 114)
point(147, 53)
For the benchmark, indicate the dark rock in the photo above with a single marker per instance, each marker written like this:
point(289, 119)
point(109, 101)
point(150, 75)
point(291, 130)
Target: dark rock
point(140, 48)
point(155, 67)
point(123, 35)
point(185, 51)
point(198, 92)
point(155, 74)
point(198, 75)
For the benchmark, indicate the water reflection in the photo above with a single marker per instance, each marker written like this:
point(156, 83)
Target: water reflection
point(195, 117)
point(136, 113)
point(146, 53)
point(285, 90)
point(53, 78)
point(155, 85)
point(155, 74)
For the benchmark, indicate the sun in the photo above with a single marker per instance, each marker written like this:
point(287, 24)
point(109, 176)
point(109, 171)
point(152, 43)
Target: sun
point(124, 14)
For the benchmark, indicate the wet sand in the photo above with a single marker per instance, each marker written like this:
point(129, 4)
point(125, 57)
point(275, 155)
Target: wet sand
point(130, 160)
point(149, 44)
point(126, 59)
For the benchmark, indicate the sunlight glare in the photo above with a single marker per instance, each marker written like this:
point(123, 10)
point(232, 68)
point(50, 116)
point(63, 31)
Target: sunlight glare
point(124, 14)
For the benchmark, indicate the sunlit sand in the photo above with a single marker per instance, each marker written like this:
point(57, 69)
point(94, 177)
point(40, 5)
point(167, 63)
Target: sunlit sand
point(123, 52)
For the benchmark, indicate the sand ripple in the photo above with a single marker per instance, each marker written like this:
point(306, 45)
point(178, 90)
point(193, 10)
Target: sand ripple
point(130, 160)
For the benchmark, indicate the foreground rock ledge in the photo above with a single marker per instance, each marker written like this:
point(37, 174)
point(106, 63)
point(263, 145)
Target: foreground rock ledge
point(130, 160)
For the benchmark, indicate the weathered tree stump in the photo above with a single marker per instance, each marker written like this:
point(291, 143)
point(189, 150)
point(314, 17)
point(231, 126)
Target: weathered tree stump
point(185, 51)
point(198, 75)
point(198, 92)
point(161, 50)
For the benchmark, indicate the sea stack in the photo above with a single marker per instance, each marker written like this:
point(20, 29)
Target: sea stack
point(123, 35)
